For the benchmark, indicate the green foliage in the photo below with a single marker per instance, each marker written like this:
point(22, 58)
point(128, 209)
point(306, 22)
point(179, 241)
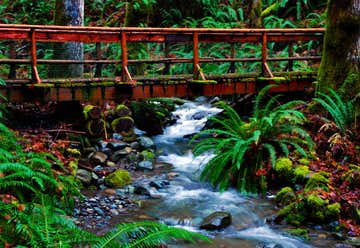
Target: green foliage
point(243, 149)
point(341, 111)
point(145, 234)
point(285, 196)
point(318, 180)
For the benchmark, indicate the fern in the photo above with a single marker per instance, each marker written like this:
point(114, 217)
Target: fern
point(242, 149)
point(341, 111)
point(145, 234)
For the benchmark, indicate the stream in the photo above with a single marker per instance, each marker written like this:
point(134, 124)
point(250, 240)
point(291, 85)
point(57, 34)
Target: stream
point(186, 201)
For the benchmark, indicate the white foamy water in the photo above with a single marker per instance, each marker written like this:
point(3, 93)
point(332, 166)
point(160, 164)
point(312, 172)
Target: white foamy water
point(187, 201)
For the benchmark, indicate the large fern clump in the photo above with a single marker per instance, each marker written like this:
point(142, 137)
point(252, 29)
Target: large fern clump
point(246, 150)
point(342, 111)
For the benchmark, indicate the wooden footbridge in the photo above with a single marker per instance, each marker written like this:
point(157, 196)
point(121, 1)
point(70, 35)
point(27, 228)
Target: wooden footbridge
point(23, 65)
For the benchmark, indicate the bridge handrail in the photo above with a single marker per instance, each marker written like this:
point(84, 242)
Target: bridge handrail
point(123, 35)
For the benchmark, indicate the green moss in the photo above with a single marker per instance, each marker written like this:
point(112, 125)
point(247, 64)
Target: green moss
point(73, 152)
point(301, 172)
point(300, 232)
point(73, 166)
point(71, 85)
point(102, 84)
point(315, 201)
point(148, 155)
point(318, 180)
point(118, 179)
point(284, 167)
point(285, 196)
point(203, 82)
point(122, 110)
point(42, 85)
point(304, 161)
point(123, 125)
point(86, 110)
point(333, 210)
point(274, 79)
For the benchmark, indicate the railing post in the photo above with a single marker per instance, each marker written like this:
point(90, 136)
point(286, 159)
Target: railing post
point(265, 67)
point(35, 74)
point(195, 54)
point(124, 58)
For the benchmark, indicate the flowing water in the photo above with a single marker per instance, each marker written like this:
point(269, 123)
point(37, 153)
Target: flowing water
point(186, 201)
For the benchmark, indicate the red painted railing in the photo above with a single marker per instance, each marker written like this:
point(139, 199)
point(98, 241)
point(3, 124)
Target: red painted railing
point(47, 34)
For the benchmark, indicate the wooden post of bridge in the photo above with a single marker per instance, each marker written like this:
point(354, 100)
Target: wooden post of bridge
point(195, 55)
point(124, 58)
point(291, 54)
point(34, 70)
point(265, 67)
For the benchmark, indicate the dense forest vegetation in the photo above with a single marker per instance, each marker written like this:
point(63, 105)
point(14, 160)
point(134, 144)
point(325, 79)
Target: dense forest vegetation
point(306, 151)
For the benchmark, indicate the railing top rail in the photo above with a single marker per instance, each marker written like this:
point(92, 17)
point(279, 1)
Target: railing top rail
point(160, 30)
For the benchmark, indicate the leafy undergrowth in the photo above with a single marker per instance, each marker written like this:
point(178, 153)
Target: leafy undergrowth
point(326, 189)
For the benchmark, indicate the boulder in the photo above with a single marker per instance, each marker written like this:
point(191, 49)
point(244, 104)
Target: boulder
point(142, 190)
point(118, 145)
point(84, 176)
point(97, 158)
point(159, 184)
point(118, 179)
point(145, 165)
point(146, 142)
point(216, 221)
point(118, 155)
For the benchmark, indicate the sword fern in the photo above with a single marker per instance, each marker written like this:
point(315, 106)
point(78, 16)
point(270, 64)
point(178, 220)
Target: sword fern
point(244, 150)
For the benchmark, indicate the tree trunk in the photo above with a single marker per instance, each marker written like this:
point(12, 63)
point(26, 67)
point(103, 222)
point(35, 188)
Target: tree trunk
point(341, 60)
point(69, 13)
point(255, 19)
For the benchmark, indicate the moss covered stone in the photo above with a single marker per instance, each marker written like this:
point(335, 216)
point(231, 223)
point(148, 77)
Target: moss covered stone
point(122, 110)
point(318, 180)
point(118, 179)
point(301, 172)
point(300, 232)
point(148, 155)
point(333, 210)
point(284, 167)
point(285, 196)
point(122, 124)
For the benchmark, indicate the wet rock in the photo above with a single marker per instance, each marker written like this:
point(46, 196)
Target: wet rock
point(216, 221)
point(84, 176)
point(107, 151)
point(114, 212)
point(116, 136)
point(110, 191)
point(118, 145)
point(97, 158)
point(142, 190)
point(341, 245)
point(135, 145)
point(199, 115)
point(163, 165)
point(118, 179)
point(159, 184)
point(171, 175)
point(94, 176)
point(110, 164)
point(102, 144)
point(99, 211)
point(98, 168)
point(88, 150)
point(145, 165)
point(119, 155)
point(146, 142)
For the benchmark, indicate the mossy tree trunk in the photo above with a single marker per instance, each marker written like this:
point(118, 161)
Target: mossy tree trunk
point(255, 19)
point(341, 60)
point(69, 13)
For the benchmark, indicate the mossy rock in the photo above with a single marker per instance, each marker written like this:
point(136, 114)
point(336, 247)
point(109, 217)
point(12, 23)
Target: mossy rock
point(122, 110)
point(73, 152)
point(284, 167)
point(148, 155)
point(92, 112)
point(96, 128)
point(118, 179)
point(122, 125)
point(301, 173)
point(304, 161)
point(318, 180)
point(285, 196)
point(333, 210)
point(300, 232)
